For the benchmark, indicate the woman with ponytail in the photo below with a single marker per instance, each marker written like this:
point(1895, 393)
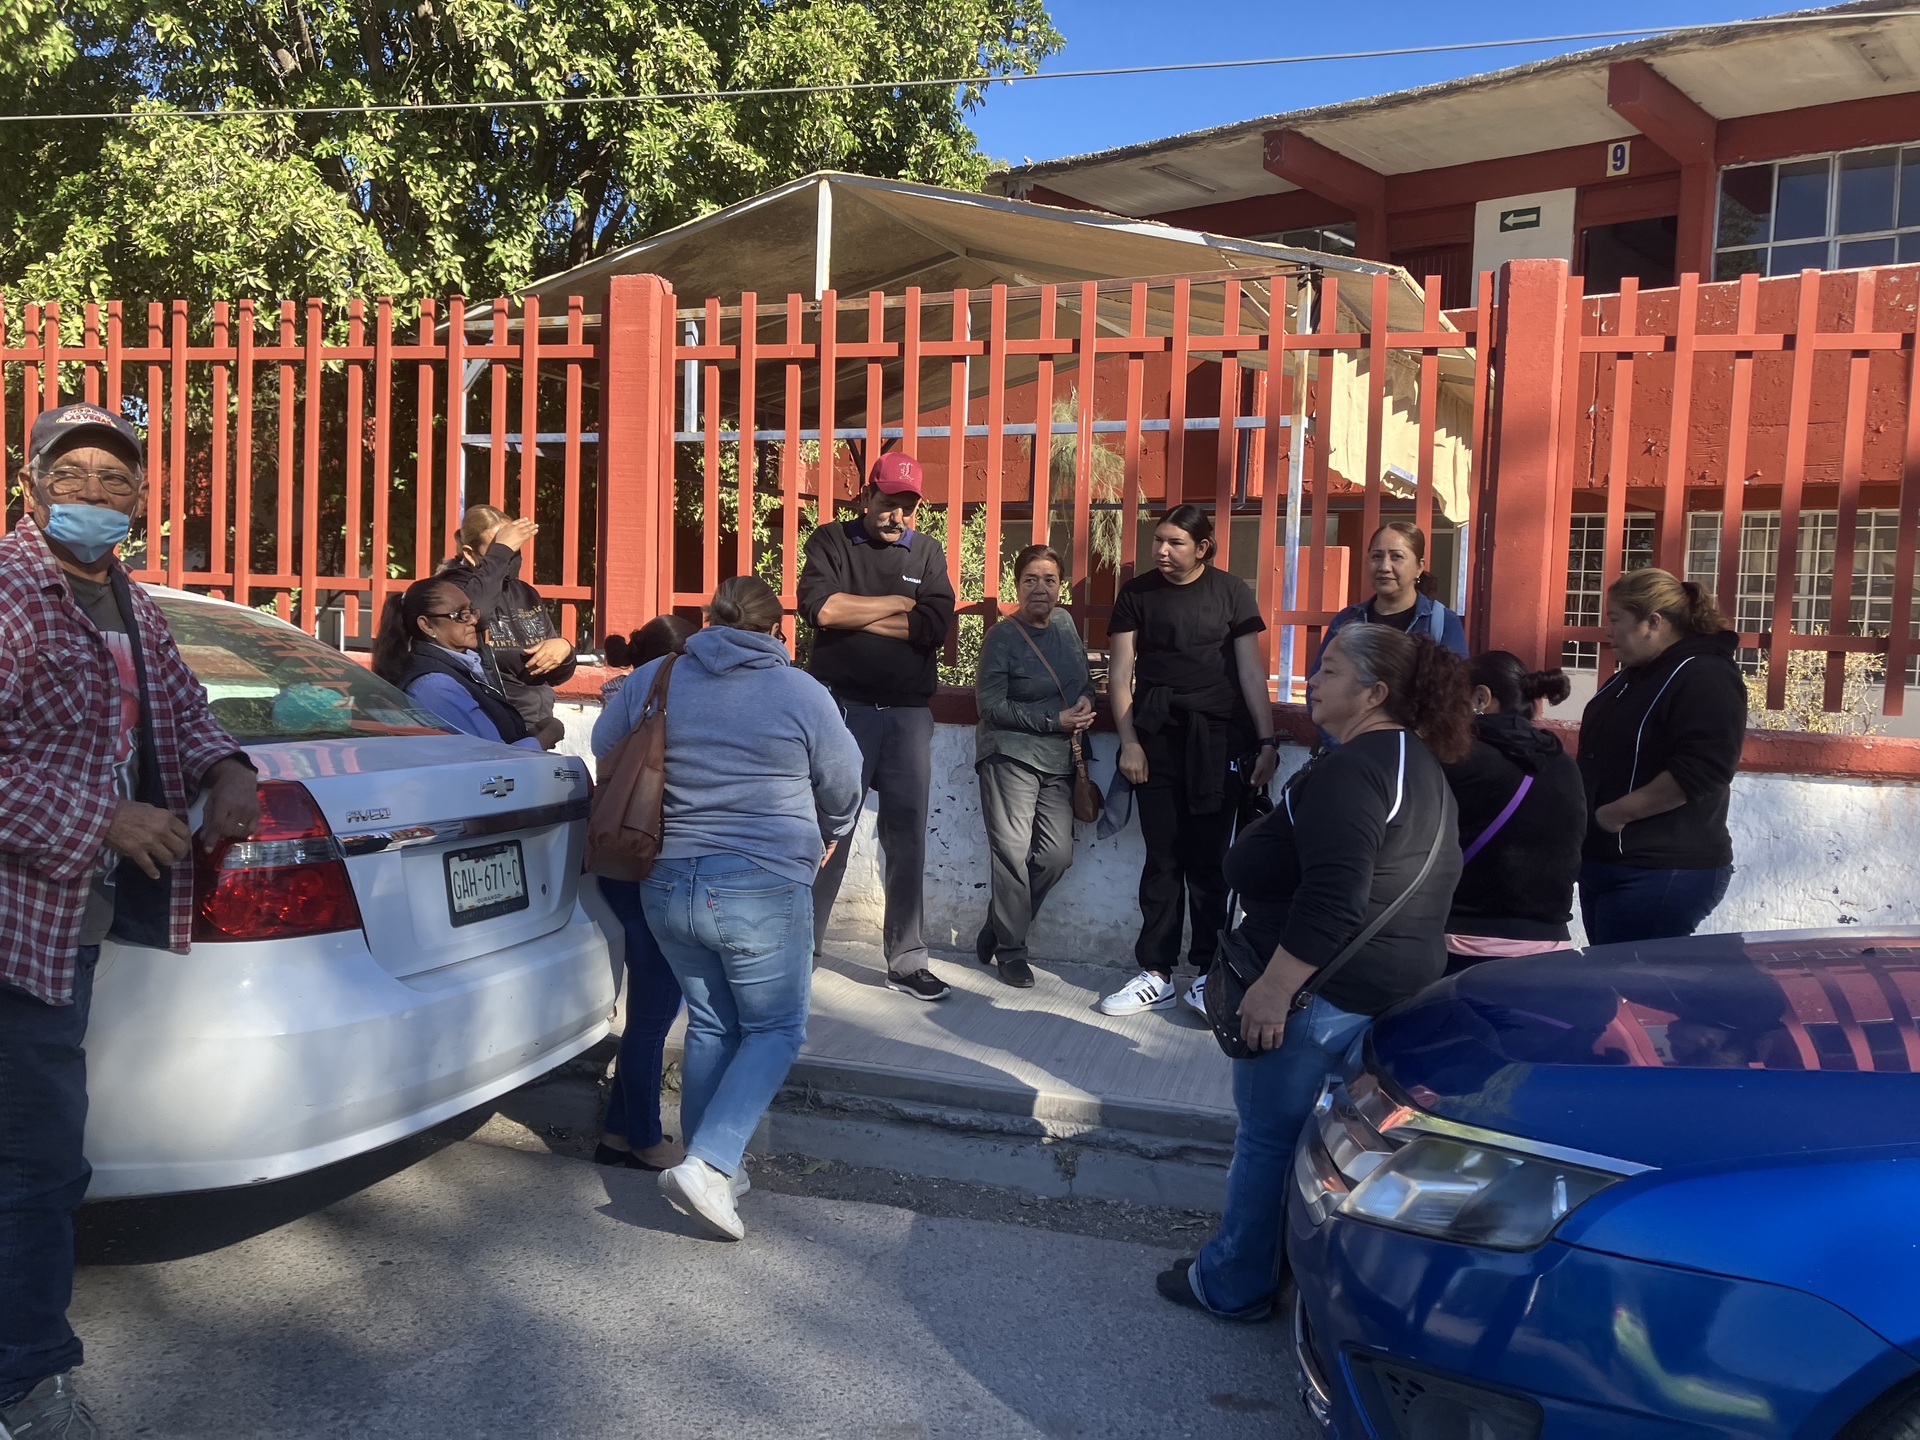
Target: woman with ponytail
point(428, 644)
point(1659, 745)
point(1368, 823)
point(1523, 818)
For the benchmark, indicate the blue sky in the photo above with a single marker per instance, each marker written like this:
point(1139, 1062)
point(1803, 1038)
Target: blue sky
point(1046, 119)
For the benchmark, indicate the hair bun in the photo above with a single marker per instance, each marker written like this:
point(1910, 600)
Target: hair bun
point(619, 651)
point(723, 610)
point(1551, 686)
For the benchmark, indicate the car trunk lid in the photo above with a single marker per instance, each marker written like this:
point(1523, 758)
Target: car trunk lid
point(455, 846)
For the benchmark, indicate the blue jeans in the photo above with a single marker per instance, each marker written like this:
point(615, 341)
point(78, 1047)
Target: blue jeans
point(653, 1001)
point(740, 940)
point(1237, 1274)
point(1621, 903)
point(43, 1176)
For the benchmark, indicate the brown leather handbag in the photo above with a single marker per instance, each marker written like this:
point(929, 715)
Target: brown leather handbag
point(623, 825)
point(1088, 803)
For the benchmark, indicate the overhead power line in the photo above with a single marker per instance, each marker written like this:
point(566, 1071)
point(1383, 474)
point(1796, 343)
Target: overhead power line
point(841, 86)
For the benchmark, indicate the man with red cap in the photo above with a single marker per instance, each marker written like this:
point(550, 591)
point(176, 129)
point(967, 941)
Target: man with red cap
point(878, 598)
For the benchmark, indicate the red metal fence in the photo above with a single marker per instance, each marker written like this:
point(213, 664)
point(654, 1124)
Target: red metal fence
point(1063, 414)
point(1760, 435)
point(1765, 434)
point(306, 460)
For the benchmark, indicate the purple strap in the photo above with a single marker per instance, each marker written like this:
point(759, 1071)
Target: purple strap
point(1480, 840)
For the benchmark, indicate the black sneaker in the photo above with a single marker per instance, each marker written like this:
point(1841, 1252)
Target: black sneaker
point(1017, 973)
point(921, 984)
point(1176, 1284)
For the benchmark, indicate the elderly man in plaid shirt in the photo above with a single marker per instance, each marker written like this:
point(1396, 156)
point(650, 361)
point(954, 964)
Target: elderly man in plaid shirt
point(105, 739)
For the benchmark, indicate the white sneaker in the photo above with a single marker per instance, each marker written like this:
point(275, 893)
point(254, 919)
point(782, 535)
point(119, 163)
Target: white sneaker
point(1197, 995)
point(1146, 991)
point(741, 1184)
point(702, 1193)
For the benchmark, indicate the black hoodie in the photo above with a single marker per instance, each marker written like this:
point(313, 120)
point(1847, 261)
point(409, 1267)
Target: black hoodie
point(515, 618)
point(1520, 885)
point(1684, 712)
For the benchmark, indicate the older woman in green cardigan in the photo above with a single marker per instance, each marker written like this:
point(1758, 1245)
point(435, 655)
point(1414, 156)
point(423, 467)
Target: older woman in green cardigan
point(1034, 695)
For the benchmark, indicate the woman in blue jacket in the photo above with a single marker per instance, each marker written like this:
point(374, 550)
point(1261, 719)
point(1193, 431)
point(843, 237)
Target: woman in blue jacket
point(1402, 592)
point(429, 645)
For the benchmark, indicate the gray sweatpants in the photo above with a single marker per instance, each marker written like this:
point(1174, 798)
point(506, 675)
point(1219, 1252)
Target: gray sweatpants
point(896, 759)
point(1030, 843)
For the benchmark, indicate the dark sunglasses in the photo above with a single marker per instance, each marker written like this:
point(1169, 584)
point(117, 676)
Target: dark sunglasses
point(462, 615)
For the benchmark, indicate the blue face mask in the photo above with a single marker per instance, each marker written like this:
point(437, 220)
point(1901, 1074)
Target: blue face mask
point(87, 531)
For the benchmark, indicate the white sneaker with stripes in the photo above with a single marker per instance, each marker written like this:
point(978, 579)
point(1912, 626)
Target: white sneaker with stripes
point(1146, 991)
point(1196, 996)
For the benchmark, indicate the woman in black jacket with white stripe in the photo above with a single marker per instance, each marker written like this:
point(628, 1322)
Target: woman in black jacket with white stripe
point(1523, 818)
point(1659, 745)
point(1365, 824)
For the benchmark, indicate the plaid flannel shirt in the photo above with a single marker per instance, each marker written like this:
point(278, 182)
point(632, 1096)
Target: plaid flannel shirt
point(58, 707)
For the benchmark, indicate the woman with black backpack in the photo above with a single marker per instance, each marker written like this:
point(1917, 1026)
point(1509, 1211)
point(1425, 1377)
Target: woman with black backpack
point(1523, 816)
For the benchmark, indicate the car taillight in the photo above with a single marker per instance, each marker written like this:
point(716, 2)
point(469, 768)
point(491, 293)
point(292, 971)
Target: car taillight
point(288, 878)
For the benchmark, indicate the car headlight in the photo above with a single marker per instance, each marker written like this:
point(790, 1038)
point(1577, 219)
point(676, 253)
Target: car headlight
point(1471, 1192)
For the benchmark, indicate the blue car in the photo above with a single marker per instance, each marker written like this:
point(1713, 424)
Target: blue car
point(1667, 1190)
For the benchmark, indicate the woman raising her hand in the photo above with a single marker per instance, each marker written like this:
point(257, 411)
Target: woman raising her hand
point(523, 648)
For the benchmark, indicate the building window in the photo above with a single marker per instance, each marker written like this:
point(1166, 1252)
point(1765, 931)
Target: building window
point(1750, 608)
point(1586, 559)
point(1825, 212)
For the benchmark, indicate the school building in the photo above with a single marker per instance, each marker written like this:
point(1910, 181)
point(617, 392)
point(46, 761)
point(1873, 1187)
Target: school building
point(1743, 149)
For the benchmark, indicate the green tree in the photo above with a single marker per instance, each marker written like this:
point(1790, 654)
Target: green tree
point(474, 201)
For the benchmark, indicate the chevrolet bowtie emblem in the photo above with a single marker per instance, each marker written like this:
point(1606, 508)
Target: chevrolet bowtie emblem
point(498, 785)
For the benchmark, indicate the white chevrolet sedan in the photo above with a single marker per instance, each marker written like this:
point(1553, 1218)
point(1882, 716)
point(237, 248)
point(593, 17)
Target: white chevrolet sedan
point(402, 939)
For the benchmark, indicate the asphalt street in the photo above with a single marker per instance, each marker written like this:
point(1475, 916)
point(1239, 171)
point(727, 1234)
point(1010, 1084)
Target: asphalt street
point(451, 1287)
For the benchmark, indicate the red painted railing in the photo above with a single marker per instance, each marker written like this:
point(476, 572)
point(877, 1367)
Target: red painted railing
point(307, 458)
point(304, 459)
point(1033, 411)
point(1794, 402)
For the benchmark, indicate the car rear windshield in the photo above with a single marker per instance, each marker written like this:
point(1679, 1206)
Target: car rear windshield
point(266, 681)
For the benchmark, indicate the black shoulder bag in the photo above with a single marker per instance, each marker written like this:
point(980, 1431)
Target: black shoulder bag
point(1236, 964)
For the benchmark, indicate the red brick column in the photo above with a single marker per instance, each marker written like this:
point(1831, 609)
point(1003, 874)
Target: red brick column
point(633, 562)
point(1523, 595)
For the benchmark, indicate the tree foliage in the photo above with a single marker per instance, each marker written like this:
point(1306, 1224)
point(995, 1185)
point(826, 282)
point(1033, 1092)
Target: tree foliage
point(473, 201)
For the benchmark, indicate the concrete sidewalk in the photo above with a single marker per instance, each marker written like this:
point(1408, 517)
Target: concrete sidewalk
point(1031, 1089)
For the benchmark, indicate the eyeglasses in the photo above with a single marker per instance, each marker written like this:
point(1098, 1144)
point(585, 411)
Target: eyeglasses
point(460, 616)
point(72, 479)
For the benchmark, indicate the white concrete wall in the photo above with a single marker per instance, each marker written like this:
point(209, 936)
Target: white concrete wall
point(1808, 852)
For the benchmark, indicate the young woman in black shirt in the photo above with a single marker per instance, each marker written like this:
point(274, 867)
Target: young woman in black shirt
point(1523, 815)
point(1352, 832)
point(1190, 699)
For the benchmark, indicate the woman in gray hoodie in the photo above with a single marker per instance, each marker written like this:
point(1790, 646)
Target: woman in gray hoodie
point(762, 780)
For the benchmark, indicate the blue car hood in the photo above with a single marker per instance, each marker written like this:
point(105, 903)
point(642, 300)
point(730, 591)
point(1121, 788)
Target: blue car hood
point(1702, 1051)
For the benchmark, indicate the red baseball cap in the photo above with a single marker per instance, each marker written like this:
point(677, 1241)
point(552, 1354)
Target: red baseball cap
point(898, 474)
